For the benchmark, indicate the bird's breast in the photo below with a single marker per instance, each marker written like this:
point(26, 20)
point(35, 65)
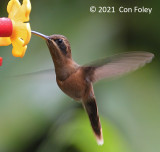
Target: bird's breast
point(74, 86)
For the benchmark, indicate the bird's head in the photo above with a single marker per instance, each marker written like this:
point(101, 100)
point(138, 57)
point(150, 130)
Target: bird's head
point(58, 45)
point(61, 54)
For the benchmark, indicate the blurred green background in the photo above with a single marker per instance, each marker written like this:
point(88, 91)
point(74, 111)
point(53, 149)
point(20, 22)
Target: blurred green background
point(36, 116)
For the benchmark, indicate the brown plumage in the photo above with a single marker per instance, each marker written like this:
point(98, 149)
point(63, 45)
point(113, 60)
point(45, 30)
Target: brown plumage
point(77, 81)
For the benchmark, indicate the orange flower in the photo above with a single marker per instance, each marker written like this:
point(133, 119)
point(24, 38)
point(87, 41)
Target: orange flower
point(21, 34)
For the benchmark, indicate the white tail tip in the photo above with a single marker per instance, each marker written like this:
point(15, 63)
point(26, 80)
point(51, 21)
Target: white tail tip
point(100, 141)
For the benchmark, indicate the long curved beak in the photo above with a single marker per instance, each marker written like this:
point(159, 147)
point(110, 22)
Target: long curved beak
point(45, 37)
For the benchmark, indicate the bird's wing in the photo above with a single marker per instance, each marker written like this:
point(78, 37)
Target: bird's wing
point(91, 108)
point(117, 65)
point(47, 73)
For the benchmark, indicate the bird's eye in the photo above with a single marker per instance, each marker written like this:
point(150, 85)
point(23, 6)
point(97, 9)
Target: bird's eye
point(61, 45)
point(60, 41)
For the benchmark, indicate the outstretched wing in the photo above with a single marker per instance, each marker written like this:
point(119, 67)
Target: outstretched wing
point(47, 73)
point(117, 65)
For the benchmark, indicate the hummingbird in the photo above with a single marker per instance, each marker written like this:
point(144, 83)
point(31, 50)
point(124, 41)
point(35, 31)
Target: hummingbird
point(77, 81)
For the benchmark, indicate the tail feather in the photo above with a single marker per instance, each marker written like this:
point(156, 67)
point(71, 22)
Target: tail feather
point(92, 111)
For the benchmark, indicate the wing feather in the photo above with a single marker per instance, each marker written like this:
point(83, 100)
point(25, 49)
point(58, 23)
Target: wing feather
point(117, 65)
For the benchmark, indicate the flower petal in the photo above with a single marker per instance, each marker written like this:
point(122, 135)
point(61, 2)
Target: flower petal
point(22, 14)
point(13, 7)
point(18, 48)
point(23, 31)
point(5, 41)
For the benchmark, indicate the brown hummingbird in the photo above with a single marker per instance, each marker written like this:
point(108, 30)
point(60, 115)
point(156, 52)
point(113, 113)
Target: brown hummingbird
point(77, 81)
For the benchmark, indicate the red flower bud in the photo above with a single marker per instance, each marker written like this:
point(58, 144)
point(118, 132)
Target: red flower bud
point(1, 60)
